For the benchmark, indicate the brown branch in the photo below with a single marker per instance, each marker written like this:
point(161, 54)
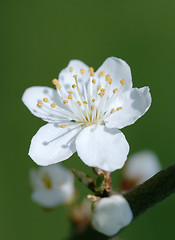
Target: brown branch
point(141, 198)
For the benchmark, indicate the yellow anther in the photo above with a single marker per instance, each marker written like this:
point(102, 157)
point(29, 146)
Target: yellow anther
point(103, 90)
point(53, 105)
point(63, 126)
point(70, 92)
point(90, 70)
point(93, 100)
point(92, 74)
point(70, 96)
point(71, 69)
point(93, 81)
point(115, 90)
point(98, 88)
point(119, 108)
point(65, 101)
point(122, 82)
point(79, 103)
point(101, 94)
point(45, 100)
point(85, 102)
point(40, 104)
point(58, 86)
point(92, 108)
point(73, 86)
point(55, 81)
point(112, 110)
point(101, 73)
point(108, 77)
point(110, 81)
point(82, 71)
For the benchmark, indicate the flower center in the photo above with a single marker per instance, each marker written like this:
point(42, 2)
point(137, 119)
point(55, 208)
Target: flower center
point(86, 103)
point(47, 181)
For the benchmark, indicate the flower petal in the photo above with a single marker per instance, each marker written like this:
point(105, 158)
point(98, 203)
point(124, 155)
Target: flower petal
point(32, 95)
point(66, 77)
point(52, 144)
point(118, 70)
point(101, 147)
point(134, 103)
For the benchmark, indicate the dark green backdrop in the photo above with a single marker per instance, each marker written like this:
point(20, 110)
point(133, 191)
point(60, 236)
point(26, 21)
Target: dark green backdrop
point(38, 38)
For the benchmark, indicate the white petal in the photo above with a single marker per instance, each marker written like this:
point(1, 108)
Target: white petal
point(32, 95)
point(66, 77)
point(48, 198)
point(52, 144)
point(101, 147)
point(134, 103)
point(111, 215)
point(141, 166)
point(118, 70)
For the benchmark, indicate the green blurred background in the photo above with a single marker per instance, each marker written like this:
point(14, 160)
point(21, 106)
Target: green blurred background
point(38, 38)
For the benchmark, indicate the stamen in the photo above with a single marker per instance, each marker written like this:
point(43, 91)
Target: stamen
point(70, 96)
point(101, 94)
point(85, 102)
point(93, 81)
point(119, 108)
point(108, 77)
point(73, 86)
point(92, 74)
point(112, 110)
point(92, 108)
point(58, 86)
point(70, 92)
point(93, 100)
point(65, 101)
point(55, 81)
point(40, 104)
point(45, 100)
point(115, 90)
point(53, 105)
point(75, 76)
point(99, 87)
point(79, 103)
point(110, 81)
point(102, 73)
point(82, 71)
point(103, 90)
point(90, 70)
point(63, 126)
point(122, 82)
point(71, 69)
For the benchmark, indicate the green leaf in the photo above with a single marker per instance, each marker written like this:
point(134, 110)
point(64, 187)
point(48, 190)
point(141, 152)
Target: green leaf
point(99, 180)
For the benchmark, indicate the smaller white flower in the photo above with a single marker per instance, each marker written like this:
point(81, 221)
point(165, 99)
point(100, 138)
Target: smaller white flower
point(140, 167)
point(51, 185)
point(111, 215)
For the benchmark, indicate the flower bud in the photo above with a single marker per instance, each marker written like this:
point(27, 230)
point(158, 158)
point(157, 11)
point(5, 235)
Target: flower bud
point(111, 214)
point(140, 167)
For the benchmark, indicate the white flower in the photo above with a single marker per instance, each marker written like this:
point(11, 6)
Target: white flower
point(111, 215)
point(51, 185)
point(140, 167)
point(85, 113)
